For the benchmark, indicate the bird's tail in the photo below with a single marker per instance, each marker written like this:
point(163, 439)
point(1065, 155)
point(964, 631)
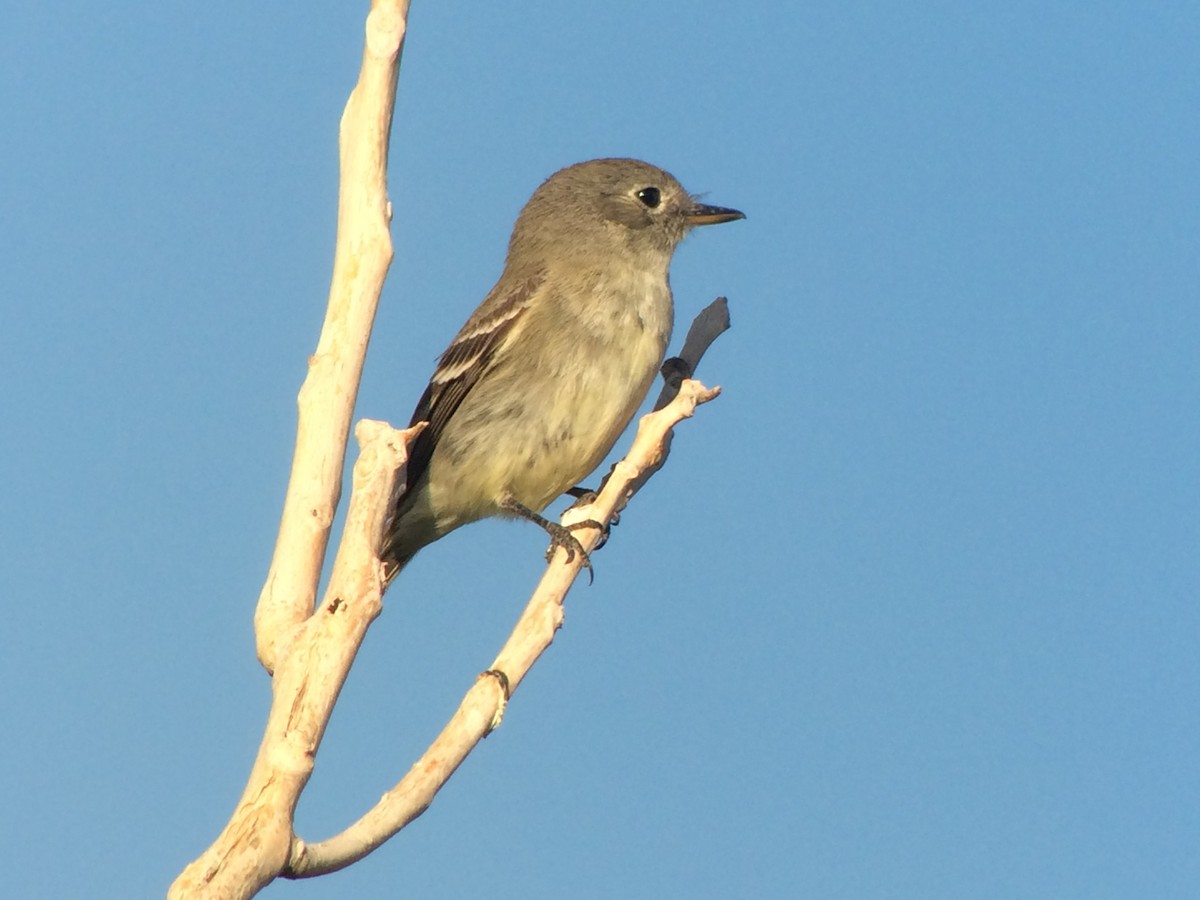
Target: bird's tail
point(395, 558)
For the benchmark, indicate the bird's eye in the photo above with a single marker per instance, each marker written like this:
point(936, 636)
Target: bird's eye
point(650, 197)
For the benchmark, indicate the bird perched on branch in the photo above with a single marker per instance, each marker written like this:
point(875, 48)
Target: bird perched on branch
point(545, 375)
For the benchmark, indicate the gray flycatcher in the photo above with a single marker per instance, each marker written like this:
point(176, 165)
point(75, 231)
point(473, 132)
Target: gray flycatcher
point(545, 375)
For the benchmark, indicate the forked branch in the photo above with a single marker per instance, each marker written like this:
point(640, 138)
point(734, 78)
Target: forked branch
point(483, 706)
point(310, 654)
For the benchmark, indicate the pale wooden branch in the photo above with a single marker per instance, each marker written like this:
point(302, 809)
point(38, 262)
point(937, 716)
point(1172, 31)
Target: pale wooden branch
point(483, 706)
point(256, 842)
point(326, 402)
point(310, 654)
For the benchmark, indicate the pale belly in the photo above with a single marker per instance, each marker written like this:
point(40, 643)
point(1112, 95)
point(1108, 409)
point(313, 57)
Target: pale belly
point(533, 438)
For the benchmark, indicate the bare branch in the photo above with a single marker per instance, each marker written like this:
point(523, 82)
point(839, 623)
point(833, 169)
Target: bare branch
point(256, 843)
point(483, 706)
point(326, 402)
point(310, 655)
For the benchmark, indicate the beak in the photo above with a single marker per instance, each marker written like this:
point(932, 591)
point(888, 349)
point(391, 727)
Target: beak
point(712, 215)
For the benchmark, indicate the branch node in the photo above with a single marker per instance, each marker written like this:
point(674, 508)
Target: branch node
point(502, 702)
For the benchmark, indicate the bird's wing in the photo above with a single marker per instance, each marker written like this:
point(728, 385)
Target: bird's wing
point(464, 362)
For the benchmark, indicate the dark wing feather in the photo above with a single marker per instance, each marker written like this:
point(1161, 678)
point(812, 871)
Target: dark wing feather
point(461, 366)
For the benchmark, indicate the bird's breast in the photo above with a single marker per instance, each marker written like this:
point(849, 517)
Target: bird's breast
point(560, 392)
point(613, 337)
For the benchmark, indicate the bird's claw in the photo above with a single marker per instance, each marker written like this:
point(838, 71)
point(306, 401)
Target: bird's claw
point(561, 536)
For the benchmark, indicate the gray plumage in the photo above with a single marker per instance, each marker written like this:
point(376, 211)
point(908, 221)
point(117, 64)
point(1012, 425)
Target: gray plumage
point(539, 383)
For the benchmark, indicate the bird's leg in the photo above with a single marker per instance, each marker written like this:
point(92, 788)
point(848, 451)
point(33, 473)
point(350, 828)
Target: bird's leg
point(586, 496)
point(560, 535)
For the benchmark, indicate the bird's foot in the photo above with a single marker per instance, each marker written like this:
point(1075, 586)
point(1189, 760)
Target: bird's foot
point(585, 497)
point(560, 535)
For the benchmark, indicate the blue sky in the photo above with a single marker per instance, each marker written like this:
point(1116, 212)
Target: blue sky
point(910, 613)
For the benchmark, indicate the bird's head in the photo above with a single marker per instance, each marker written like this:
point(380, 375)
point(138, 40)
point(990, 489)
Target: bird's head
point(613, 206)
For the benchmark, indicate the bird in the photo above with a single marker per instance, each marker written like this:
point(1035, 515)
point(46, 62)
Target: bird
point(548, 371)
